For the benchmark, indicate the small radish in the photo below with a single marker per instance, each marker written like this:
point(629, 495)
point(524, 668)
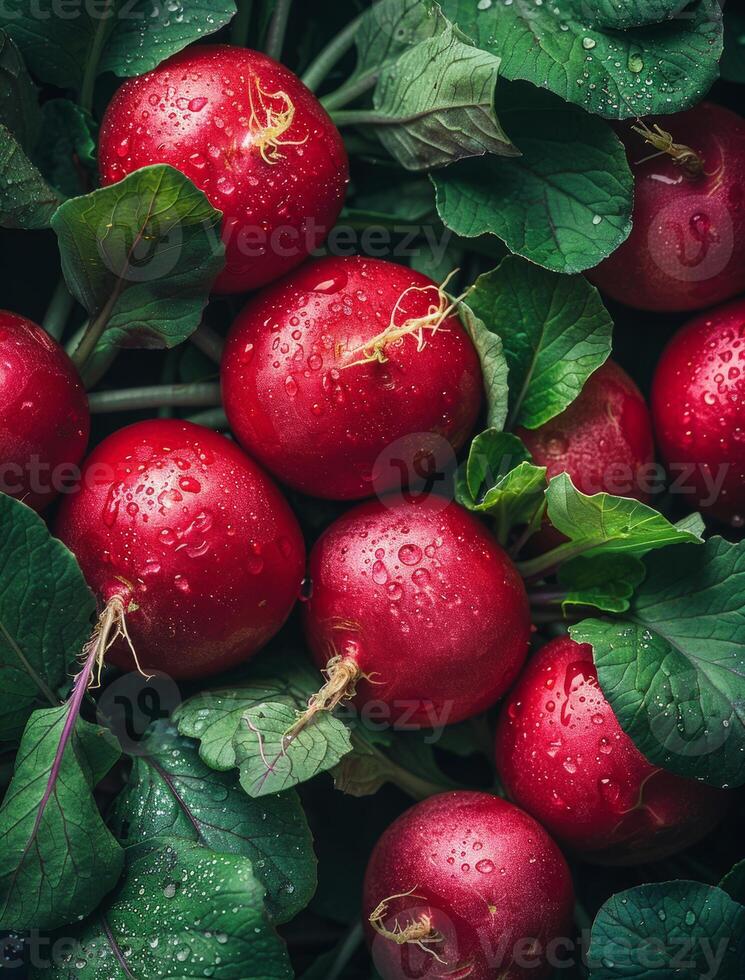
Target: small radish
point(326, 370)
point(687, 247)
point(416, 608)
point(697, 404)
point(466, 885)
point(192, 537)
point(603, 440)
point(44, 418)
point(250, 135)
point(563, 756)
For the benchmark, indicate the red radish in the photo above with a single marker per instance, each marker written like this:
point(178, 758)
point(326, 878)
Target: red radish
point(466, 885)
point(44, 418)
point(697, 404)
point(176, 520)
point(247, 132)
point(563, 756)
point(417, 607)
point(687, 247)
point(324, 371)
point(603, 440)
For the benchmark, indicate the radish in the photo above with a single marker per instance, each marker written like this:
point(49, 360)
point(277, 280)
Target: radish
point(687, 247)
point(697, 404)
point(175, 522)
point(327, 369)
point(417, 609)
point(603, 440)
point(44, 418)
point(249, 134)
point(563, 756)
point(465, 885)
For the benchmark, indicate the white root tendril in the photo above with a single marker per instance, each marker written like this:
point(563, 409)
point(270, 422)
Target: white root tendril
point(419, 932)
point(267, 124)
point(342, 676)
point(686, 158)
point(111, 626)
point(431, 322)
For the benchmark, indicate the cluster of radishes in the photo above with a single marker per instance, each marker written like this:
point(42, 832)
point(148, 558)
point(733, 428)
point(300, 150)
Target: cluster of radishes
point(414, 603)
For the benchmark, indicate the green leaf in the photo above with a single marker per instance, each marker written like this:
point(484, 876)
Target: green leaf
point(565, 204)
point(388, 28)
point(501, 480)
point(270, 763)
point(19, 107)
point(732, 65)
point(26, 200)
point(142, 253)
point(668, 929)
point(171, 793)
point(152, 31)
point(435, 105)
point(623, 14)
point(182, 912)
point(610, 524)
point(674, 671)
point(555, 330)
point(488, 345)
point(45, 615)
point(66, 154)
point(660, 68)
point(55, 41)
point(59, 859)
point(244, 726)
point(734, 883)
point(606, 582)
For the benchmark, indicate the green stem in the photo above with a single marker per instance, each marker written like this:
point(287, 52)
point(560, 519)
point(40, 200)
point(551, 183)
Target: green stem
point(58, 312)
point(208, 342)
point(275, 38)
point(213, 418)
point(241, 23)
point(95, 330)
point(549, 562)
point(156, 396)
point(346, 950)
point(94, 58)
point(331, 54)
point(168, 377)
point(349, 92)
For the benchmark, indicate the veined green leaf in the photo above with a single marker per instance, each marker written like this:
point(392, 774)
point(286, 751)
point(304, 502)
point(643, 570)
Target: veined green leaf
point(26, 200)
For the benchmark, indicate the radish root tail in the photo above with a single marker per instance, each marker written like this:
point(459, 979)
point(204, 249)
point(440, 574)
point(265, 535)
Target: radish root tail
point(439, 310)
point(111, 626)
point(342, 676)
point(419, 932)
point(267, 124)
point(687, 159)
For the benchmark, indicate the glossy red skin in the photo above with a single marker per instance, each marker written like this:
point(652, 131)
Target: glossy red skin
point(698, 396)
point(318, 424)
point(489, 876)
point(425, 601)
point(687, 247)
point(44, 413)
point(193, 112)
point(603, 440)
point(177, 519)
point(563, 757)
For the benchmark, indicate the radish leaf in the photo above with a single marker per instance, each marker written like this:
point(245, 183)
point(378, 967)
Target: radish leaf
point(555, 330)
point(654, 929)
point(674, 669)
point(172, 793)
point(59, 859)
point(575, 52)
point(45, 615)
